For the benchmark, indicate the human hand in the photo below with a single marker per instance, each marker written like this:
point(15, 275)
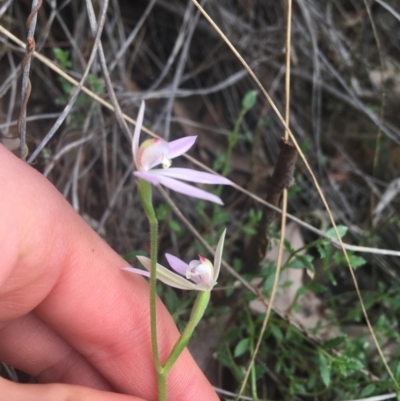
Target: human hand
point(68, 314)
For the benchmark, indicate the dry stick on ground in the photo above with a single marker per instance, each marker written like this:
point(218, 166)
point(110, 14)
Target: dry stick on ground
point(282, 178)
point(26, 83)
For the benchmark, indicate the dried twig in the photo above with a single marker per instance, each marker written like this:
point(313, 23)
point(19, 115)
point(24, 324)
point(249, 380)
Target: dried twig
point(282, 178)
point(26, 66)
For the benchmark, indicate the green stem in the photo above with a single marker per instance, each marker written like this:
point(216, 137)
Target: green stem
point(232, 139)
point(199, 307)
point(162, 386)
point(146, 199)
point(253, 373)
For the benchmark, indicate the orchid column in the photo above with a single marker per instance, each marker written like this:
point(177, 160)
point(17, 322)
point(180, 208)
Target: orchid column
point(202, 272)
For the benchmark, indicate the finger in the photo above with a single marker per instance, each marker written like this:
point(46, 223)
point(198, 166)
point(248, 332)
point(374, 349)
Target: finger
point(61, 267)
point(33, 347)
point(10, 391)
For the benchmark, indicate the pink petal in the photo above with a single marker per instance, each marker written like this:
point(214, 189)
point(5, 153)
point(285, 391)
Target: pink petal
point(183, 188)
point(136, 133)
point(177, 264)
point(148, 176)
point(136, 271)
point(180, 146)
point(155, 178)
point(187, 174)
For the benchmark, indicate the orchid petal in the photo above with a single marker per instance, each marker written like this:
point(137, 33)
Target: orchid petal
point(177, 264)
point(153, 154)
point(148, 176)
point(194, 263)
point(136, 271)
point(175, 185)
point(186, 189)
point(136, 134)
point(167, 276)
point(187, 174)
point(180, 146)
point(218, 255)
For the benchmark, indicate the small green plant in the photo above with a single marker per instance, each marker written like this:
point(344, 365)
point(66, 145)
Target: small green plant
point(63, 60)
point(307, 369)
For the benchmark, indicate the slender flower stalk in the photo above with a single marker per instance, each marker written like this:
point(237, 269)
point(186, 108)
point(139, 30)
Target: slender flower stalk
point(145, 196)
point(154, 152)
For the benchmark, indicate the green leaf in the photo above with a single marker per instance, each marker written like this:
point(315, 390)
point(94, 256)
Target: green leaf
point(356, 261)
point(342, 230)
point(249, 230)
point(325, 369)
point(174, 226)
point(249, 100)
point(241, 347)
point(347, 365)
point(332, 279)
point(276, 332)
point(368, 390)
point(287, 283)
point(334, 342)
point(221, 217)
point(96, 84)
point(62, 57)
point(301, 291)
point(219, 161)
point(299, 388)
point(322, 251)
point(301, 262)
point(269, 282)
point(293, 190)
point(317, 288)
point(162, 211)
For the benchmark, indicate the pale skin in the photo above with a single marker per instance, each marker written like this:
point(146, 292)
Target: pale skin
point(68, 314)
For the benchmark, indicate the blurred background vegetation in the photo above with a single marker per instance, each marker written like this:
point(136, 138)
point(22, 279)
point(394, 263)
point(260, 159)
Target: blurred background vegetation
point(345, 91)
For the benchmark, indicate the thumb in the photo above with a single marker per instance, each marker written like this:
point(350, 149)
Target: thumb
point(10, 391)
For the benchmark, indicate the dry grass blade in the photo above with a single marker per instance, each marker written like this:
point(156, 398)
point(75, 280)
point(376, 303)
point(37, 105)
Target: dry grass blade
point(284, 203)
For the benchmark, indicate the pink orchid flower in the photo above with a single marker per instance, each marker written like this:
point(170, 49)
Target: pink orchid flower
point(202, 273)
point(153, 152)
